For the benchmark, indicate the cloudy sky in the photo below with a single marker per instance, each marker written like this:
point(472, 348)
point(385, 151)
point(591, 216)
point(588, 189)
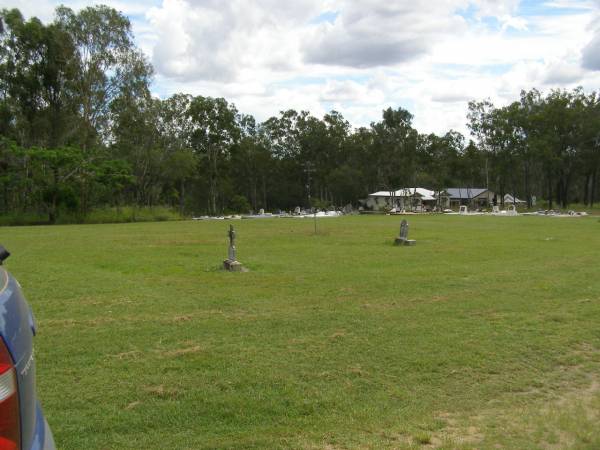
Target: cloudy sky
point(359, 57)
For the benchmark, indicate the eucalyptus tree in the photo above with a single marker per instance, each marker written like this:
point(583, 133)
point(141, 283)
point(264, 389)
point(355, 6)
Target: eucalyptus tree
point(587, 142)
point(395, 150)
point(109, 64)
point(471, 168)
point(442, 161)
point(530, 149)
point(498, 137)
point(37, 74)
point(215, 129)
point(252, 167)
point(287, 138)
point(135, 139)
point(359, 156)
point(557, 133)
point(543, 144)
point(312, 134)
point(174, 128)
point(283, 133)
point(511, 143)
point(334, 153)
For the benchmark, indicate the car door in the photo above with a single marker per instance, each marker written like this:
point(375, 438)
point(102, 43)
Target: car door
point(17, 330)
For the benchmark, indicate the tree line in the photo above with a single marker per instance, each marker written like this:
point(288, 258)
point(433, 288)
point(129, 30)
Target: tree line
point(79, 130)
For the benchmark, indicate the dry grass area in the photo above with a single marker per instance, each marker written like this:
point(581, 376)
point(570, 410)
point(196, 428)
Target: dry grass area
point(561, 411)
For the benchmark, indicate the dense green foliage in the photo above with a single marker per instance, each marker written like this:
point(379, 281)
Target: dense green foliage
point(338, 340)
point(80, 130)
point(547, 146)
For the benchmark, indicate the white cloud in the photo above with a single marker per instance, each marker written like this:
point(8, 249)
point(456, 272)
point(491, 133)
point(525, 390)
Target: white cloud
point(350, 91)
point(562, 73)
point(29, 8)
point(495, 8)
point(214, 40)
point(44, 10)
point(430, 57)
point(381, 33)
point(591, 52)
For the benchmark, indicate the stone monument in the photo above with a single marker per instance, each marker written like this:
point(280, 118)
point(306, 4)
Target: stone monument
point(403, 238)
point(463, 210)
point(511, 211)
point(231, 263)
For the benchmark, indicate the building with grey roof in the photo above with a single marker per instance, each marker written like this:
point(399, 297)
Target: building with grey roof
point(473, 197)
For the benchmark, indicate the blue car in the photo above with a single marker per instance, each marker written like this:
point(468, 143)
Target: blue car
point(22, 423)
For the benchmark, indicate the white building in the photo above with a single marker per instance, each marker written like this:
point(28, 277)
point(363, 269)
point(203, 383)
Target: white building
point(510, 200)
point(472, 197)
point(408, 199)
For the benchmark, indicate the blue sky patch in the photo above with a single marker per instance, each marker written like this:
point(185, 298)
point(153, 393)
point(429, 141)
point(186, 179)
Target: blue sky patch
point(326, 17)
point(465, 53)
point(546, 8)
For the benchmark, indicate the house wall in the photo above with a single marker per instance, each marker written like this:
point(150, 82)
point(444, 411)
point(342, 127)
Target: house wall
point(406, 203)
point(379, 202)
point(444, 202)
point(519, 202)
point(483, 200)
point(376, 202)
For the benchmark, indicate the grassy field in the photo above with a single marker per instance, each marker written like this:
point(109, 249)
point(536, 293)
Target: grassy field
point(486, 334)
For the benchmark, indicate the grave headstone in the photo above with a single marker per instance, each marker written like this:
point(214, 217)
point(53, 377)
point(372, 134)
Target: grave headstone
point(297, 210)
point(511, 211)
point(261, 212)
point(231, 263)
point(496, 209)
point(402, 239)
point(463, 210)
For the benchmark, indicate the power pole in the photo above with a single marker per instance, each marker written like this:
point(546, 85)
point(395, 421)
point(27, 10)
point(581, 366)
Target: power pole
point(309, 169)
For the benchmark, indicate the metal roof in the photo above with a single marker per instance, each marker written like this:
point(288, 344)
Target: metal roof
point(465, 193)
point(424, 194)
point(510, 199)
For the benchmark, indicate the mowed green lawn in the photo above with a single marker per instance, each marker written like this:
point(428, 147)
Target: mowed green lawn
point(486, 334)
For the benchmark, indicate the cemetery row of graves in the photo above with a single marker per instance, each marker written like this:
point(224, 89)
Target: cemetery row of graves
point(418, 200)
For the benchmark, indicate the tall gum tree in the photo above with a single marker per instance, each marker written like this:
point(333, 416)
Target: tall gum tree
point(215, 130)
point(109, 64)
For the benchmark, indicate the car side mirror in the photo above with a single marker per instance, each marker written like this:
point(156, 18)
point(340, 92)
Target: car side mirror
point(3, 254)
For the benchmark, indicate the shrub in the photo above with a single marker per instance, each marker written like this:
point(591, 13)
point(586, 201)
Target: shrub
point(101, 215)
point(239, 204)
